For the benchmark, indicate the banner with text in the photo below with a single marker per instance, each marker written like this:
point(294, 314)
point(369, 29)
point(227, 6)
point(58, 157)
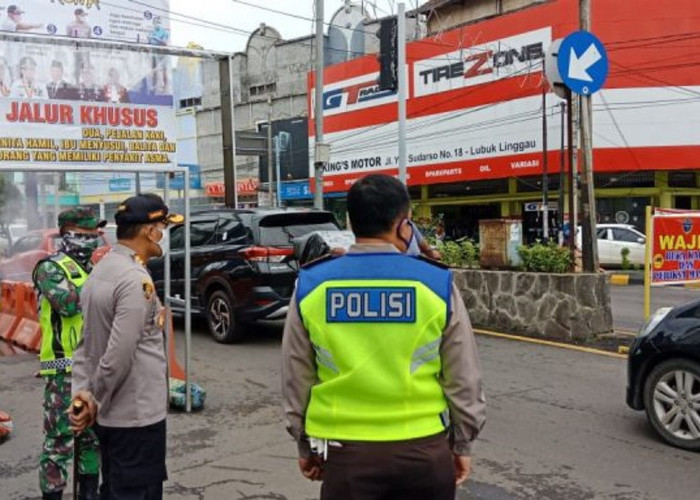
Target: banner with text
point(64, 108)
point(122, 20)
point(675, 249)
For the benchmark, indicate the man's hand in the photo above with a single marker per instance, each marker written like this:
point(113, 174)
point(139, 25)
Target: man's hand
point(311, 468)
point(435, 255)
point(463, 468)
point(86, 417)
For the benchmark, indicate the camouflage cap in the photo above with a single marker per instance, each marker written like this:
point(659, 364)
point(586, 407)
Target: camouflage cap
point(82, 217)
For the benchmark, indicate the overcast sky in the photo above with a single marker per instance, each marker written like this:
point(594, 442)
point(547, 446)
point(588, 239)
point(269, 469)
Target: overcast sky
point(229, 14)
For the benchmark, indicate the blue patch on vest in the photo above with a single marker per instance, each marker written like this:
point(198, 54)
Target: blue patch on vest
point(371, 305)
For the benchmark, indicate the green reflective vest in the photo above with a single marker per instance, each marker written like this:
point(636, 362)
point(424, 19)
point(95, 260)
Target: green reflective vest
point(375, 322)
point(60, 334)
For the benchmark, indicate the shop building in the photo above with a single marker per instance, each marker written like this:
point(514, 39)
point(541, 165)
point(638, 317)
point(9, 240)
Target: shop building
point(475, 113)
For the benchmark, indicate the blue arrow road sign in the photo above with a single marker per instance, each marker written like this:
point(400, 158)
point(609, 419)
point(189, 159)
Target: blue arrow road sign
point(582, 62)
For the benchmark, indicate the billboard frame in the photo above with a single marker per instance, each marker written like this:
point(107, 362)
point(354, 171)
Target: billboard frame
point(173, 51)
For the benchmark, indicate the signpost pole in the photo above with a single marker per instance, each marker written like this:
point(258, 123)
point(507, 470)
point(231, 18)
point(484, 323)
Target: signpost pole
point(647, 263)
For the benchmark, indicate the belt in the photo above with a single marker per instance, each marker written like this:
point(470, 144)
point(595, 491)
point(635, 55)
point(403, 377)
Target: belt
point(56, 364)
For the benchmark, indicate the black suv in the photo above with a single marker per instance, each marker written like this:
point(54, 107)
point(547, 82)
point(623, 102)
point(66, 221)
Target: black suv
point(242, 263)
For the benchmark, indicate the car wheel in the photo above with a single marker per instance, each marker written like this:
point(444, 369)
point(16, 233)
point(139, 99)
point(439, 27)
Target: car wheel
point(672, 402)
point(220, 318)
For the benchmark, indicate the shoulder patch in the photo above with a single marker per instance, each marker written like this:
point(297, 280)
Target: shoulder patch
point(148, 289)
point(320, 260)
point(434, 262)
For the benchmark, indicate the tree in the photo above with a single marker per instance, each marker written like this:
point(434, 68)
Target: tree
point(11, 206)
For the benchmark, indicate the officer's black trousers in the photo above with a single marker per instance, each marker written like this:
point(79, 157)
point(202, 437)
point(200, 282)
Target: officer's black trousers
point(133, 462)
point(419, 469)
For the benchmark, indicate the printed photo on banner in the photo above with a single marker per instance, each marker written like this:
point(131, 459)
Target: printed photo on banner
point(38, 71)
point(120, 20)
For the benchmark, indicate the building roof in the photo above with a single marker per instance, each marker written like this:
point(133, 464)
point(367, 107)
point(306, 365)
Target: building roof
point(435, 4)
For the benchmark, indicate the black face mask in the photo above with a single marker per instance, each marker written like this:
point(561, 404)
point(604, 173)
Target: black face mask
point(400, 236)
point(80, 245)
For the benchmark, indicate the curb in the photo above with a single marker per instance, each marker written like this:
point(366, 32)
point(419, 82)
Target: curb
point(619, 279)
point(550, 343)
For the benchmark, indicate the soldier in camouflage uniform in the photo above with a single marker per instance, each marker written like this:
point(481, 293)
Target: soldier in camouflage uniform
point(59, 279)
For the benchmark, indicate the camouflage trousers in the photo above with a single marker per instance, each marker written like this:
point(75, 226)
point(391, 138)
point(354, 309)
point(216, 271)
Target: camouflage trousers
point(58, 438)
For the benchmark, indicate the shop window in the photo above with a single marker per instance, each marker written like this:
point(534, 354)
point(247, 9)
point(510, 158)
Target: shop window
point(494, 186)
point(622, 211)
point(632, 179)
point(534, 184)
point(683, 203)
point(681, 179)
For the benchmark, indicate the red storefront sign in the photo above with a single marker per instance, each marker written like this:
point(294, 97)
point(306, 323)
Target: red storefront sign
point(675, 249)
point(475, 107)
point(245, 187)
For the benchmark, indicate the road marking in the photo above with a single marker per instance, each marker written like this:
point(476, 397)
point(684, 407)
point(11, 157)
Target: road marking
point(551, 343)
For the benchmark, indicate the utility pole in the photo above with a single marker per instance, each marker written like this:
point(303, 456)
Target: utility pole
point(228, 129)
point(589, 238)
point(545, 167)
point(269, 148)
point(318, 109)
point(403, 91)
point(138, 183)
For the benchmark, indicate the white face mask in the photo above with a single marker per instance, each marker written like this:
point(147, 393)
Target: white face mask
point(164, 243)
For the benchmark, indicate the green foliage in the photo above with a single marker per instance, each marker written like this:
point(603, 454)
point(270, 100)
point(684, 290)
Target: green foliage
point(626, 264)
point(464, 254)
point(545, 258)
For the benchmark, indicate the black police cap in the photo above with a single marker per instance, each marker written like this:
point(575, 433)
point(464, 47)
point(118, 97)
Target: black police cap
point(145, 209)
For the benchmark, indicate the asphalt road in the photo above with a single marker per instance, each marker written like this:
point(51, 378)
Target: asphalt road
point(628, 303)
point(557, 428)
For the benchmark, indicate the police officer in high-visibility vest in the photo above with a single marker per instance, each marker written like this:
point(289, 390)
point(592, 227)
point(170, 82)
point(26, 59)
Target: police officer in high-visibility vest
point(59, 279)
point(381, 380)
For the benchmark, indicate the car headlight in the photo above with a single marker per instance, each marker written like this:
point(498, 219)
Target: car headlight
point(656, 318)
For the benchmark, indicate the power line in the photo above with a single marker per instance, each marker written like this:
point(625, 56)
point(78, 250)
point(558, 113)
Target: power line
point(359, 30)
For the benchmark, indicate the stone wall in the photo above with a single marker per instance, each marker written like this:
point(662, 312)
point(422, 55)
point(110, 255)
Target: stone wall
point(562, 306)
